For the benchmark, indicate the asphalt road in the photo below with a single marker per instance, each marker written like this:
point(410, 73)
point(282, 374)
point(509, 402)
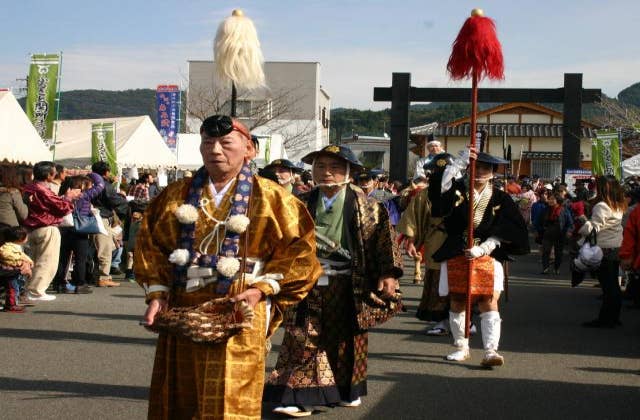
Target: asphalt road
point(86, 357)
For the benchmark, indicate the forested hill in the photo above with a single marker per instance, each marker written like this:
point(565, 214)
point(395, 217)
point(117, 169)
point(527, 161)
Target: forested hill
point(80, 104)
point(84, 104)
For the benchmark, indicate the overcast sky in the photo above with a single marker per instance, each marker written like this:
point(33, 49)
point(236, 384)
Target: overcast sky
point(140, 44)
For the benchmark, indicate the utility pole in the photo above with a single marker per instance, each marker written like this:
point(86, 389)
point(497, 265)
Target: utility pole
point(353, 120)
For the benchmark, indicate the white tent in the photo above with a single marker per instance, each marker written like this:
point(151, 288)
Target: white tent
point(631, 166)
point(138, 143)
point(19, 141)
point(189, 151)
point(271, 148)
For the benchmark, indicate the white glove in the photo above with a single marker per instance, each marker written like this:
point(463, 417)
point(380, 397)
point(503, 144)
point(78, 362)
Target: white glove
point(476, 251)
point(489, 245)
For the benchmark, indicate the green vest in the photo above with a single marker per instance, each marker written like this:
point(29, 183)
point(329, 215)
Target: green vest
point(330, 223)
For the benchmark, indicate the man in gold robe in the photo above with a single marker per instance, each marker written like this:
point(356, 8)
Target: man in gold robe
point(184, 230)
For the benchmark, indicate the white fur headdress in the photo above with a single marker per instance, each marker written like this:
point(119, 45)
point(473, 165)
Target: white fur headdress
point(237, 52)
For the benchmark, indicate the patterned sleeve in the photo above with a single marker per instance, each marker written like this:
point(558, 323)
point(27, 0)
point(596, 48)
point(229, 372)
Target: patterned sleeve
point(384, 249)
point(155, 240)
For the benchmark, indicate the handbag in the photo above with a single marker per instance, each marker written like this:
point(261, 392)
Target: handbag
point(85, 224)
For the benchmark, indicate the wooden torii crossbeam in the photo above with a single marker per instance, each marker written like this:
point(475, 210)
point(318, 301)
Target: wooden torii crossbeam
point(401, 94)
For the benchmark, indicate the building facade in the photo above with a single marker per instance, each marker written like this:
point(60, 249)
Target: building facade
point(533, 131)
point(294, 105)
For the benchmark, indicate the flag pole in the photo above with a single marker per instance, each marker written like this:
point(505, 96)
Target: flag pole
point(58, 102)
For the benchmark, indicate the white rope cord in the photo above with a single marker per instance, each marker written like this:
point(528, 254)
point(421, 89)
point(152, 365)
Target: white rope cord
point(215, 233)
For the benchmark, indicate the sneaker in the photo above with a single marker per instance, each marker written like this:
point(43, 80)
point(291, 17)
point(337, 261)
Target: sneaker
point(459, 355)
point(492, 358)
point(354, 403)
point(43, 297)
point(292, 411)
point(545, 271)
point(107, 283)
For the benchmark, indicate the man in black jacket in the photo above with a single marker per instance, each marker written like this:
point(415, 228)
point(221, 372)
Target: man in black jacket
point(108, 202)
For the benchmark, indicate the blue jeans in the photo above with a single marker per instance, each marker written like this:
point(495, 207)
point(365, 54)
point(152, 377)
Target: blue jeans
point(116, 257)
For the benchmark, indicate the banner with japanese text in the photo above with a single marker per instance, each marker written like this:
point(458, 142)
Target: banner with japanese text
point(606, 153)
point(42, 88)
point(103, 144)
point(168, 121)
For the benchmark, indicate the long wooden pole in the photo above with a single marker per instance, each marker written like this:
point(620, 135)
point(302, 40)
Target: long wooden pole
point(472, 177)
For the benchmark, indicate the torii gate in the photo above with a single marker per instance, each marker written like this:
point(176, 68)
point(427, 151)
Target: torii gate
point(401, 94)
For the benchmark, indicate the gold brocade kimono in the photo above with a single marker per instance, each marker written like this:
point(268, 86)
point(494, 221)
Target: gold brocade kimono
point(223, 380)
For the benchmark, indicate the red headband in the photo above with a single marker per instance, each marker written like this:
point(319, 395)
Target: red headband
point(238, 126)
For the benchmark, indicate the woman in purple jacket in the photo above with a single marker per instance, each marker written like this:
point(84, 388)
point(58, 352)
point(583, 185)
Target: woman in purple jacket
point(72, 241)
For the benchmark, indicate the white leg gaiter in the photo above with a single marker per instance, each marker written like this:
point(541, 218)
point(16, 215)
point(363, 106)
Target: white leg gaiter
point(490, 324)
point(456, 323)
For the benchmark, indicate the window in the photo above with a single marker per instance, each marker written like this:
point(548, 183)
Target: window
point(254, 109)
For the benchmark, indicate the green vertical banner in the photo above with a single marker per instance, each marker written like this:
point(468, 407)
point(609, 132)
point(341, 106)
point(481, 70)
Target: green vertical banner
point(42, 87)
point(103, 144)
point(606, 151)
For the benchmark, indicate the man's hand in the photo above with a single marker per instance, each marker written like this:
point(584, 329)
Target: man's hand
point(409, 247)
point(473, 153)
point(251, 295)
point(155, 306)
point(73, 193)
point(387, 285)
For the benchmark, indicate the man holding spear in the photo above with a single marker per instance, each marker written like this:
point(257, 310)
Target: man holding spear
point(484, 226)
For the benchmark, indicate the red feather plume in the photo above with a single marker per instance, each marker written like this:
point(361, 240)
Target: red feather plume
point(477, 50)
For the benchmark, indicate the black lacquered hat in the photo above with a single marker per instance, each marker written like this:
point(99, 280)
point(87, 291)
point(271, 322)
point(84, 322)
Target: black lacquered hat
point(438, 162)
point(340, 152)
point(491, 160)
point(285, 163)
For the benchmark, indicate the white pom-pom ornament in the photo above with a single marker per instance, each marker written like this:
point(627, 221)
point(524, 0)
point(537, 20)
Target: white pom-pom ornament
point(237, 223)
point(228, 266)
point(186, 214)
point(179, 257)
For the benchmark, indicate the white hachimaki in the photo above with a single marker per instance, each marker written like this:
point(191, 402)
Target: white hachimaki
point(186, 214)
point(179, 257)
point(228, 266)
point(237, 223)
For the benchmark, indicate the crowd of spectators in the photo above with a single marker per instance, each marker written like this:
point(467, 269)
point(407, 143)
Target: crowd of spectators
point(44, 252)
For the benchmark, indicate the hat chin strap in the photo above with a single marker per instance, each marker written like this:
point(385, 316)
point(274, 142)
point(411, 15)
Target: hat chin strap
point(332, 184)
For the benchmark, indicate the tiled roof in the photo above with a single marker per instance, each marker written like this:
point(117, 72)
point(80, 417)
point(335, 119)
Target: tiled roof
point(512, 130)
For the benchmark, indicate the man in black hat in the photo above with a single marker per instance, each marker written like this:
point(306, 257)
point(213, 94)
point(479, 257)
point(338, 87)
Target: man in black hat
point(368, 180)
point(283, 169)
point(499, 231)
point(323, 359)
